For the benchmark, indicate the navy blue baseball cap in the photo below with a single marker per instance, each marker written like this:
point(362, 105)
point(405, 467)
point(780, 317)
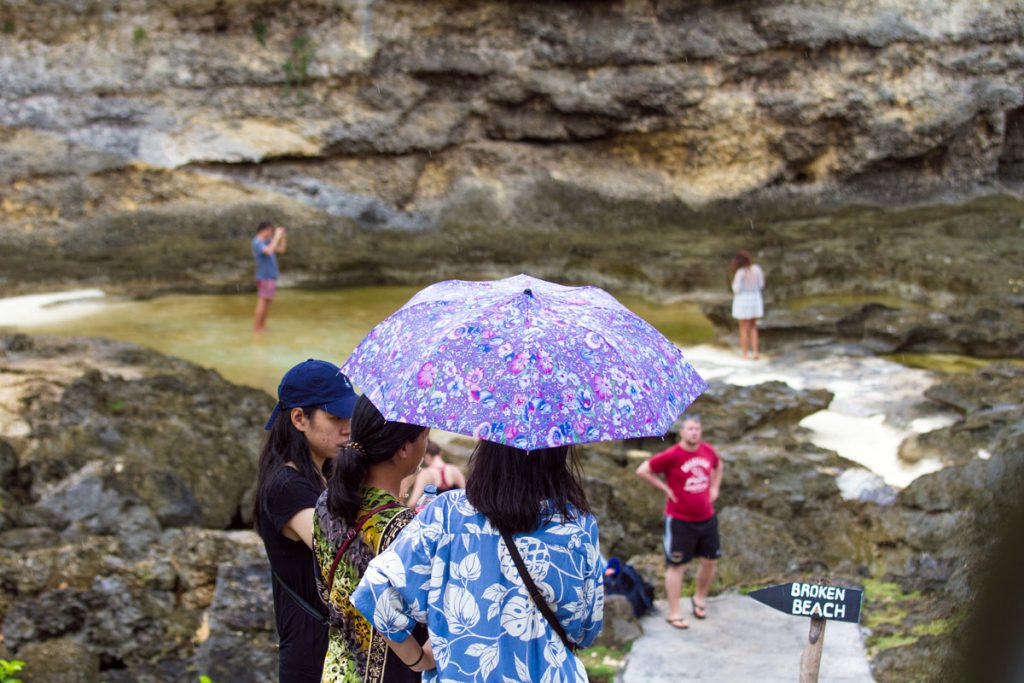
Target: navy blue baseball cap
point(315, 383)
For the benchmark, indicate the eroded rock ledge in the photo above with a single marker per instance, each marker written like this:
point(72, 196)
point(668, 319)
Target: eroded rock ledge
point(625, 142)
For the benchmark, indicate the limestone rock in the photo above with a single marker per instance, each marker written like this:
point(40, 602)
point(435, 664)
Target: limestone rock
point(8, 464)
point(730, 411)
point(133, 428)
point(163, 132)
point(61, 660)
point(130, 609)
point(124, 452)
point(757, 547)
point(996, 386)
point(242, 643)
point(959, 329)
point(620, 626)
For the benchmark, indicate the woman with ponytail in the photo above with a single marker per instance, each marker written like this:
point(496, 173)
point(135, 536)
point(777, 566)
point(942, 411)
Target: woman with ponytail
point(308, 425)
point(356, 518)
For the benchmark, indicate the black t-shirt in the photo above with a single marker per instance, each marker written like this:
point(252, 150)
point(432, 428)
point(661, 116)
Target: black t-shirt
point(303, 640)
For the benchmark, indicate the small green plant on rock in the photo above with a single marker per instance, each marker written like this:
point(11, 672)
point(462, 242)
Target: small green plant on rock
point(8, 27)
point(603, 663)
point(886, 612)
point(296, 68)
point(936, 627)
point(8, 669)
point(139, 35)
point(891, 615)
point(259, 29)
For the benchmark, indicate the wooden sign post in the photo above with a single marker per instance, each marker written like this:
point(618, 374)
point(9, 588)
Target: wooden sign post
point(810, 660)
point(819, 602)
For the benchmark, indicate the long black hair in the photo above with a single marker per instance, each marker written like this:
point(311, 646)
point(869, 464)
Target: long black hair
point(374, 440)
point(509, 485)
point(284, 444)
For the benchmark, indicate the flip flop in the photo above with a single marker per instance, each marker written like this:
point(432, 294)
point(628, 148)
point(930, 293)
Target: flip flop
point(679, 623)
point(699, 611)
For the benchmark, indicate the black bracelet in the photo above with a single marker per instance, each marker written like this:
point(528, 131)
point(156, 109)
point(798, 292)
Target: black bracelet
point(418, 659)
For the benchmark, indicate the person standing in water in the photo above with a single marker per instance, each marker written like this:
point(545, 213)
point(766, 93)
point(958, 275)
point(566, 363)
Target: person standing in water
point(270, 240)
point(441, 474)
point(311, 421)
point(747, 281)
point(689, 474)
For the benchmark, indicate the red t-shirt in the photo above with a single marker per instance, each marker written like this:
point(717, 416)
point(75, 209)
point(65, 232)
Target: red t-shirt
point(688, 474)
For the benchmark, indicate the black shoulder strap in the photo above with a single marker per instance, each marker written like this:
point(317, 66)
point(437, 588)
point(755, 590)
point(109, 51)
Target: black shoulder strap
point(538, 597)
point(306, 607)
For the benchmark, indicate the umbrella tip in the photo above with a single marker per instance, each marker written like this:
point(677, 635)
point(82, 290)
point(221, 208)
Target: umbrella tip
point(528, 292)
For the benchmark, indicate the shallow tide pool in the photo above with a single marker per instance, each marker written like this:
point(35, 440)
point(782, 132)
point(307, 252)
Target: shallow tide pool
point(216, 330)
point(866, 421)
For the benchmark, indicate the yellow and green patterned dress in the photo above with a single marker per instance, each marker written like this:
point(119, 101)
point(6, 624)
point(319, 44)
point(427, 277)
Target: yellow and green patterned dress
point(355, 651)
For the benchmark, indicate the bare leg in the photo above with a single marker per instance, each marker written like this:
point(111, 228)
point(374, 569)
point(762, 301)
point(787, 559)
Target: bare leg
point(754, 345)
point(705, 573)
point(673, 589)
point(260, 319)
point(743, 337)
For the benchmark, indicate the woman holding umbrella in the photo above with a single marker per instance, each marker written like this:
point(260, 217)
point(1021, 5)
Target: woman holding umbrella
point(529, 511)
point(507, 574)
point(355, 519)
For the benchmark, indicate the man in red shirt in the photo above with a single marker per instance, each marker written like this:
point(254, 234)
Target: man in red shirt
point(689, 474)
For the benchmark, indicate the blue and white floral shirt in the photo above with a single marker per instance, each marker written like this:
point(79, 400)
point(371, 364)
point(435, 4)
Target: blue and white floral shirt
point(450, 569)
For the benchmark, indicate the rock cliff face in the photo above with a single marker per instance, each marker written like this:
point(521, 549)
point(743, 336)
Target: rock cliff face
point(620, 141)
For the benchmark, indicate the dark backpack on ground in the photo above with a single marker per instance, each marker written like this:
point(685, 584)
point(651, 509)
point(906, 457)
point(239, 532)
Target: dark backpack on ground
point(626, 581)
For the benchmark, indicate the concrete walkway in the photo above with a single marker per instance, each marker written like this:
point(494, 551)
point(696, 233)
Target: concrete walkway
point(741, 640)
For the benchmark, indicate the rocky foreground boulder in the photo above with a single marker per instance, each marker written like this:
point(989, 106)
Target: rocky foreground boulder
point(951, 531)
point(122, 473)
point(124, 477)
point(923, 555)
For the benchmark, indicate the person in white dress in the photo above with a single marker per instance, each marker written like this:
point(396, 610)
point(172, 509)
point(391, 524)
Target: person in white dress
point(747, 280)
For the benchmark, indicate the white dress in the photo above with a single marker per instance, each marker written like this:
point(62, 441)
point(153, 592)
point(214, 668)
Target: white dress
point(746, 289)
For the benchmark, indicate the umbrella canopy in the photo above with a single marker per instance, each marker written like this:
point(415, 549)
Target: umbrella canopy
point(524, 362)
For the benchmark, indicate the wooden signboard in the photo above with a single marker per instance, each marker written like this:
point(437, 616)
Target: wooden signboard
point(819, 602)
point(813, 600)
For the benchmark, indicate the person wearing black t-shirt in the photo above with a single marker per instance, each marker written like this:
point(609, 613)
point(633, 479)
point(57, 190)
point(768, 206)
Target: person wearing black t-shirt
point(311, 421)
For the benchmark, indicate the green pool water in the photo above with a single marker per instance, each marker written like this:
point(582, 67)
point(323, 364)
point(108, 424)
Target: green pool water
point(216, 330)
point(844, 299)
point(948, 363)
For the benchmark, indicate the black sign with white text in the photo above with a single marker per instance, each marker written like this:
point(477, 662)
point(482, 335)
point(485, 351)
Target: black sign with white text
point(813, 600)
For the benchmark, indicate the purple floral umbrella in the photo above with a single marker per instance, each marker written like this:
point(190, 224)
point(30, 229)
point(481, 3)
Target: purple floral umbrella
point(524, 362)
